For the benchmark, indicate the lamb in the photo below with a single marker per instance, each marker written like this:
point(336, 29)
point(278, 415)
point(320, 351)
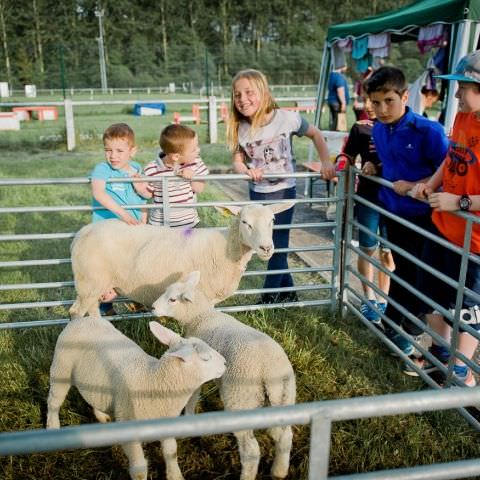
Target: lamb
point(118, 379)
point(141, 262)
point(256, 366)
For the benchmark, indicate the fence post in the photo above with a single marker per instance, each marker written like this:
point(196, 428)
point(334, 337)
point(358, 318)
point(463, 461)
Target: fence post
point(69, 124)
point(212, 120)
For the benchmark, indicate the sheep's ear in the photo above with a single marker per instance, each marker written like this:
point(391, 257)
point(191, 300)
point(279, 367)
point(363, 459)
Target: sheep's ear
point(280, 207)
point(184, 352)
point(163, 334)
point(229, 210)
point(193, 278)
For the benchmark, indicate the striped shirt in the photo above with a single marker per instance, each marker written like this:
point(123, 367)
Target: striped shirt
point(179, 192)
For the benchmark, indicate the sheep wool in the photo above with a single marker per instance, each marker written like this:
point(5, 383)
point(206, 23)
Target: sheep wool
point(257, 367)
point(141, 261)
point(119, 380)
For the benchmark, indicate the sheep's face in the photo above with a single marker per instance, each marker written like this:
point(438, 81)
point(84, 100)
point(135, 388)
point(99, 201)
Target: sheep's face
point(181, 300)
point(256, 227)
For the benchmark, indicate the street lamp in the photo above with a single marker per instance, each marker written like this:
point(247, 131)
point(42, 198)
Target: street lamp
point(101, 51)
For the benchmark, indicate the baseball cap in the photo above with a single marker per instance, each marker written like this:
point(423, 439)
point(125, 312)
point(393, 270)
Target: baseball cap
point(467, 69)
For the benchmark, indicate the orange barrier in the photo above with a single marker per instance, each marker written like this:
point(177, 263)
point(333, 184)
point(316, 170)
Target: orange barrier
point(195, 117)
point(43, 113)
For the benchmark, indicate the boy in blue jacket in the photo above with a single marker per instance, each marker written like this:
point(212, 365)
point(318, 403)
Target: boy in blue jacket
point(410, 148)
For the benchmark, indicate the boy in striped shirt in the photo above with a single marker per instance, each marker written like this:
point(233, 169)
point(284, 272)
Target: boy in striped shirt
point(179, 156)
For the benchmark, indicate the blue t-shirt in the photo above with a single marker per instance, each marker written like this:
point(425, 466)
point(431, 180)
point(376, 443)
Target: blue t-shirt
point(337, 80)
point(411, 149)
point(122, 192)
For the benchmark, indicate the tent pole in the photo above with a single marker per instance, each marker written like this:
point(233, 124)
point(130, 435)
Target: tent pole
point(324, 70)
point(461, 44)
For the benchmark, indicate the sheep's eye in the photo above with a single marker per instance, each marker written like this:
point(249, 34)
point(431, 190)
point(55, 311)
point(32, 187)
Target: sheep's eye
point(172, 300)
point(247, 224)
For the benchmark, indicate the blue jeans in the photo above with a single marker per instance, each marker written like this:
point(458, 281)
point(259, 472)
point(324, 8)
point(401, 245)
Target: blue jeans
point(280, 238)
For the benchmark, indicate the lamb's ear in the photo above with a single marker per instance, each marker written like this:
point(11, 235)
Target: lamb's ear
point(163, 334)
point(280, 207)
point(193, 278)
point(184, 352)
point(229, 210)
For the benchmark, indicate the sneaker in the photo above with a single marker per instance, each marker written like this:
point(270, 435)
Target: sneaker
point(423, 364)
point(369, 313)
point(467, 378)
point(401, 342)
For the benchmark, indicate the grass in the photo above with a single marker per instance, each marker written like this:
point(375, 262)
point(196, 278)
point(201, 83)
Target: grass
point(333, 358)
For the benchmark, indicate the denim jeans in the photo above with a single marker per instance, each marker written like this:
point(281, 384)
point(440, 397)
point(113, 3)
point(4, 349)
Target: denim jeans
point(280, 238)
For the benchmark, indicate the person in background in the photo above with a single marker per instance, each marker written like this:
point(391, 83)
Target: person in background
point(260, 137)
point(359, 108)
point(430, 97)
point(455, 186)
point(338, 96)
point(410, 148)
point(119, 148)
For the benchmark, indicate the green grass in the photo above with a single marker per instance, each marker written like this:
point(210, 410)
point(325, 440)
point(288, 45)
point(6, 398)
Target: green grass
point(332, 357)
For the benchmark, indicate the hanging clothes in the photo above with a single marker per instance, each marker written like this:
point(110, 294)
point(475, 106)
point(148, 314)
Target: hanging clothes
point(379, 45)
point(338, 55)
point(360, 48)
point(345, 44)
point(431, 36)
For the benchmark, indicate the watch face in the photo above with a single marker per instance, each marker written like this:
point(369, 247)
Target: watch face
point(465, 203)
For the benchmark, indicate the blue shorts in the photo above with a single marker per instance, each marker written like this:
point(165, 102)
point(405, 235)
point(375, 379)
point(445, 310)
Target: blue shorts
point(372, 220)
point(447, 262)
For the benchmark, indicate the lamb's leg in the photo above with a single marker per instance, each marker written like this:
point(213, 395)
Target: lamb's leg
point(101, 417)
point(191, 404)
point(59, 388)
point(169, 448)
point(282, 436)
point(249, 454)
point(136, 460)
point(82, 305)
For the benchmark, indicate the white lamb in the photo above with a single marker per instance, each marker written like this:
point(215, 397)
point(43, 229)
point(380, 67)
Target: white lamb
point(256, 367)
point(141, 261)
point(118, 379)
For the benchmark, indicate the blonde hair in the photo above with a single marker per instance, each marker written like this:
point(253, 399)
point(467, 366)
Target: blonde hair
point(267, 104)
point(119, 131)
point(174, 137)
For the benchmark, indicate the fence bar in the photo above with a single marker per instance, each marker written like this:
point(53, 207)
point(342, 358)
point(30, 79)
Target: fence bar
point(95, 435)
point(319, 447)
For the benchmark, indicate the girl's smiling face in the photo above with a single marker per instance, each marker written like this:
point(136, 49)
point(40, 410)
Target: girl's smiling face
point(246, 97)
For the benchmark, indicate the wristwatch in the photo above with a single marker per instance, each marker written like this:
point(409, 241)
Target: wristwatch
point(465, 203)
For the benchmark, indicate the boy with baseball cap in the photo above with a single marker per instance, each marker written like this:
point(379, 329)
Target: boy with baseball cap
point(455, 186)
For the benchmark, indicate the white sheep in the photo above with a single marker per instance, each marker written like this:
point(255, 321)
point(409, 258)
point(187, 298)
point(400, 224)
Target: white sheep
point(119, 380)
point(256, 367)
point(141, 261)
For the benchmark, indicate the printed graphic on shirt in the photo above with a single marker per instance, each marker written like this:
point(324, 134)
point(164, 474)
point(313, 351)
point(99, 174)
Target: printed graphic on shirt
point(461, 155)
point(272, 155)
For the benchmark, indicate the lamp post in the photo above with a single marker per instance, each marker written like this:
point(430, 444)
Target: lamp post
point(101, 51)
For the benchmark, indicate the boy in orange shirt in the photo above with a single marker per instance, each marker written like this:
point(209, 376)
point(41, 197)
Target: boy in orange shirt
point(455, 186)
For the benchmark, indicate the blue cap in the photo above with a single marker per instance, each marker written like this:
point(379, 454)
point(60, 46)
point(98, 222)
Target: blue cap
point(467, 69)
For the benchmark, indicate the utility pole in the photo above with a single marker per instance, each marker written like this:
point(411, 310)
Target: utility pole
point(101, 51)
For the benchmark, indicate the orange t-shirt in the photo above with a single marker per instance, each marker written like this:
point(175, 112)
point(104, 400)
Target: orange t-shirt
point(461, 175)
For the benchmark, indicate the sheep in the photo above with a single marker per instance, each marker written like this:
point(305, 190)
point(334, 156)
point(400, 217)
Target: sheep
point(139, 262)
point(256, 367)
point(118, 379)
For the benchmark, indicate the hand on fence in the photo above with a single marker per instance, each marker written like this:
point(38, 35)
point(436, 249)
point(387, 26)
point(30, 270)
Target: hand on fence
point(444, 201)
point(186, 173)
point(369, 169)
point(402, 187)
point(140, 187)
point(328, 170)
point(256, 174)
point(421, 191)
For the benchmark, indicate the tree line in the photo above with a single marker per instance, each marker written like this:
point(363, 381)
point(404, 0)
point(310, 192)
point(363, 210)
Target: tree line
point(53, 43)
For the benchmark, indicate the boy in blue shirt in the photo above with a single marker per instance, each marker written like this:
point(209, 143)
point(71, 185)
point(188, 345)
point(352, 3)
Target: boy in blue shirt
point(410, 148)
point(119, 149)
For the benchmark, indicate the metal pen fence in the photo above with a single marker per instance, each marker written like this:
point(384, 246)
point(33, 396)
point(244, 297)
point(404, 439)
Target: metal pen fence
point(319, 415)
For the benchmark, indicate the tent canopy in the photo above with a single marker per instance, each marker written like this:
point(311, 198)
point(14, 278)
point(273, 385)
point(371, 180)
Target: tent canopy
point(418, 14)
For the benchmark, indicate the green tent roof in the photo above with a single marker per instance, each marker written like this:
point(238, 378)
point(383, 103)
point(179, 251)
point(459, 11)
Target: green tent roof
point(419, 13)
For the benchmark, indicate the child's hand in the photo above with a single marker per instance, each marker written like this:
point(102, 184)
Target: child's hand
point(369, 169)
point(128, 219)
point(402, 187)
point(421, 191)
point(187, 173)
point(443, 201)
point(328, 170)
point(256, 174)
